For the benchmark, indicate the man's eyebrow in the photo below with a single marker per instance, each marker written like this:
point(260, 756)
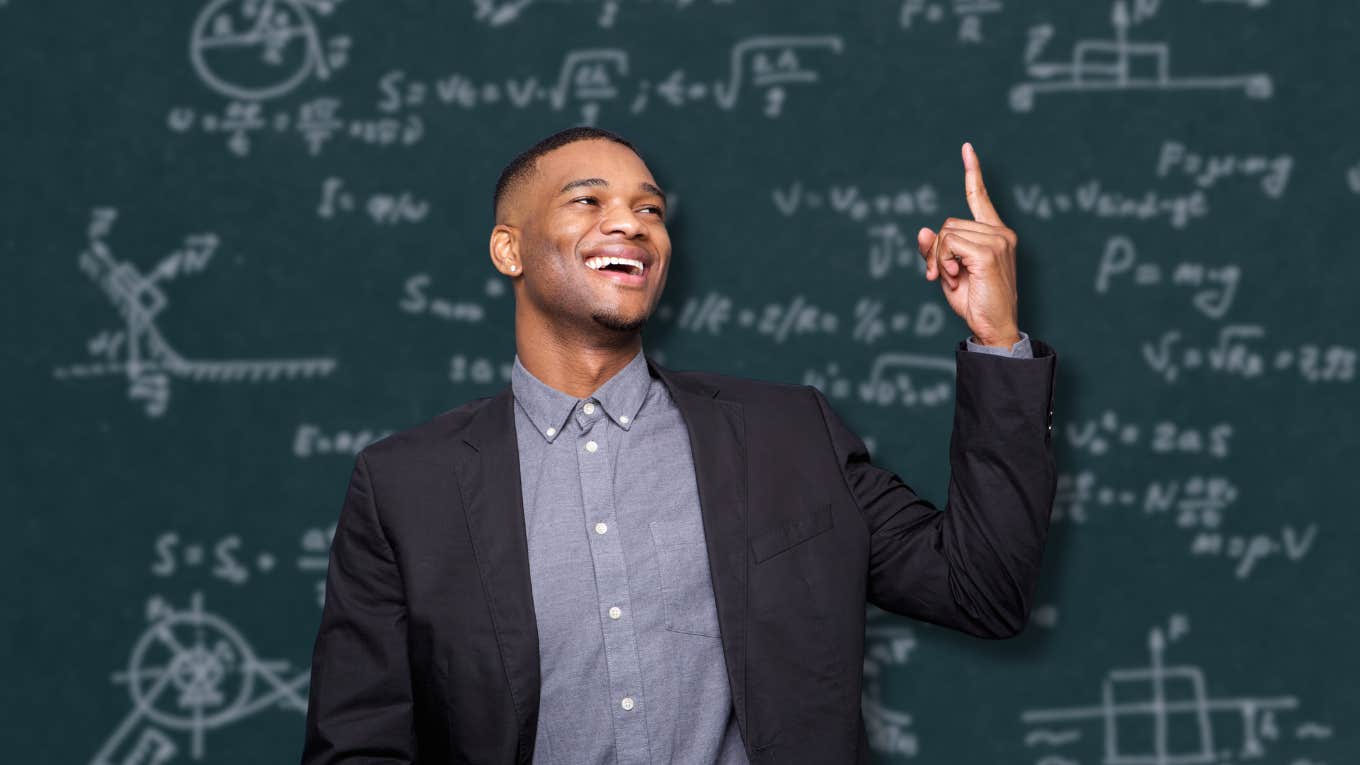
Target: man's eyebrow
point(650, 188)
point(583, 182)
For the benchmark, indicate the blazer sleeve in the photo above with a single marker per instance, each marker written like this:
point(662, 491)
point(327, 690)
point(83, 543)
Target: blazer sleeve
point(972, 567)
point(360, 708)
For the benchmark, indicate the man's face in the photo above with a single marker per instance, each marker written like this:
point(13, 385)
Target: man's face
point(588, 200)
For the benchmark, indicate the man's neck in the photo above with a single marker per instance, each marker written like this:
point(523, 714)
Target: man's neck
point(577, 369)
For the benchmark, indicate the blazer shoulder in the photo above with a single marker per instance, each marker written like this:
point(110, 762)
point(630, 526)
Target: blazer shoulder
point(753, 394)
point(428, 440)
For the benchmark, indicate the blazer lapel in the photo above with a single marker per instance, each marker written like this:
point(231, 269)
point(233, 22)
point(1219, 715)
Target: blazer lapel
point(717, 436)
point(488, 478)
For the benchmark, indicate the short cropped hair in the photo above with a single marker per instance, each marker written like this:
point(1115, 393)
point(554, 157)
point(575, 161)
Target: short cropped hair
point(522, 166)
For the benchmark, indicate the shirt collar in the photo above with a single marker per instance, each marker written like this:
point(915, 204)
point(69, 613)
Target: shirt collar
point(621, 396)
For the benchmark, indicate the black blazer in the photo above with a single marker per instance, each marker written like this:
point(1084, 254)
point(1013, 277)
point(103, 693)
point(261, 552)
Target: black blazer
point(428, 648)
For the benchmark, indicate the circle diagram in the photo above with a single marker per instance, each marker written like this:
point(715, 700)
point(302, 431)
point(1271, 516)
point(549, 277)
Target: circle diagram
point(254, 50)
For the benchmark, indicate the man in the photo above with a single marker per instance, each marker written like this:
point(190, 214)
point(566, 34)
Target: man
point(611, 561)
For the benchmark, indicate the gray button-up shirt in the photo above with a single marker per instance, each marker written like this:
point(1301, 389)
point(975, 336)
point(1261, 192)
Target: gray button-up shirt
point(630, 653)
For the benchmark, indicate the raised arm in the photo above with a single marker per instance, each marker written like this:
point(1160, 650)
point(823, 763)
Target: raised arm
point(973, 566)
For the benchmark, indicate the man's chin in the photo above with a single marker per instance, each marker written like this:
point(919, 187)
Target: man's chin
point(618, 323)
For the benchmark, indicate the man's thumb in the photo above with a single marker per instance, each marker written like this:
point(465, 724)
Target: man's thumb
point(925, 240)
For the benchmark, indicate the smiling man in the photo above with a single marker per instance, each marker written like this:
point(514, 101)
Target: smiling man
point(611, 561)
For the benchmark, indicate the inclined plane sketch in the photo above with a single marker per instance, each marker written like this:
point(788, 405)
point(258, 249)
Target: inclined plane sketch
point(1163, 714)
point(1116, 64)
point(139, 351)
point(192, 672)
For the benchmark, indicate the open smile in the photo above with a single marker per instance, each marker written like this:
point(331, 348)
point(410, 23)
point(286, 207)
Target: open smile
point(625, 266)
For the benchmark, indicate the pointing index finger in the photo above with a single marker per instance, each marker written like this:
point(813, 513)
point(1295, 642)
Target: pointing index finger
point(978, 202)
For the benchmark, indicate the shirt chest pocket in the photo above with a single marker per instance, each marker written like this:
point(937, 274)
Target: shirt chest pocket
point(686, 586)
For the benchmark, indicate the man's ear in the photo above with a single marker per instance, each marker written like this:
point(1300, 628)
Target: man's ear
point(504, 247)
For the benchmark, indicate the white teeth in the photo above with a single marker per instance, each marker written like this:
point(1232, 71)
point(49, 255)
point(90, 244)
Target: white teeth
point(598, 263)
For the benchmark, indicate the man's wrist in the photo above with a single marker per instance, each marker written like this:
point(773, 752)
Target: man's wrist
point(1000, 341)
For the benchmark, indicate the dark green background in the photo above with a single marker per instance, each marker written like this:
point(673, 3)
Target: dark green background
point(97, 97)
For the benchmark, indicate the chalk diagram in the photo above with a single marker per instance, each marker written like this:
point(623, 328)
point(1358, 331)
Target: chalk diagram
point(140, 351)
point(1116, 64)
point(193, 672)
point(254, 50)
point(888, 642)
point(774, 64)
point(1163, 715)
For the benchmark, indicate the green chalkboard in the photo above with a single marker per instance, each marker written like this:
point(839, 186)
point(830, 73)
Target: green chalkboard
point(244, 238)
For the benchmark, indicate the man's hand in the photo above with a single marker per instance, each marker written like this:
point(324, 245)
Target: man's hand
point(975, 259)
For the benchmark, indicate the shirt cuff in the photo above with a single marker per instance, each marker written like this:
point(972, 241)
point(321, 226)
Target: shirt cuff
point(1021, 349)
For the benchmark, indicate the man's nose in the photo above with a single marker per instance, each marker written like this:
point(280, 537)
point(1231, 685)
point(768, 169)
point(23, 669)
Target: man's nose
point(621, 219)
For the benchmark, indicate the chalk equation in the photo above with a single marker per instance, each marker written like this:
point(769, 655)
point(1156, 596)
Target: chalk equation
point(1198, 508)
point(889, 381)
point(1116, 64)
point(140, 352)
point(1175, 159)
point(1109, 432)
point(1212, 287)
point(316, 123)
point(1167, 714)
point(868, 322)
point(889, 246)
point(383, 208)
point(1235, 352)
point(968, 13)
point(589, 78)
point(192, 672)
point(478, 370)
point(1093, 199)
point(311, 440)
point(228, 559)
point(853, 203)
point(417, 300)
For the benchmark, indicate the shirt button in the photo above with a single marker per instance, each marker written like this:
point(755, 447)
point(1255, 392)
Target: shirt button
point(627, 703)
point(615, 612)
point(624, 419)
point(589, 408)
point(591, 446)
point(552, 431)
point(601, 528)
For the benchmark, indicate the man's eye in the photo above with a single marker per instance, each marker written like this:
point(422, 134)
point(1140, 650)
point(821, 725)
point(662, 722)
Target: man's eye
point(659, 212)
point(584, 199)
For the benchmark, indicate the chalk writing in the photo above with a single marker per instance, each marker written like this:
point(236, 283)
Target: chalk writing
point(1214, 287)
point(1198, 505)
point(1235, 352)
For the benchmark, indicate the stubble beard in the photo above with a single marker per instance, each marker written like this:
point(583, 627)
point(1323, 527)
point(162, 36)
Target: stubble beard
point(613, 321)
